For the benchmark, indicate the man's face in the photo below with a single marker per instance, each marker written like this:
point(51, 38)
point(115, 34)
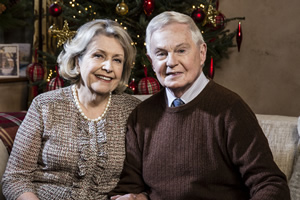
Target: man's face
point(176, 59)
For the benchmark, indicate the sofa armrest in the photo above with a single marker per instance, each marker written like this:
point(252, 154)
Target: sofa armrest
point(3, 160)
point(9, 125)
point(283, 138)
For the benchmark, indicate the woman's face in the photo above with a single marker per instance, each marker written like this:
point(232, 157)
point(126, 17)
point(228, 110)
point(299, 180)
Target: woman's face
point(101, 66)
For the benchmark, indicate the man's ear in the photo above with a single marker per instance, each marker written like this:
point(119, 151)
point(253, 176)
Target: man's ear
point(203, 50)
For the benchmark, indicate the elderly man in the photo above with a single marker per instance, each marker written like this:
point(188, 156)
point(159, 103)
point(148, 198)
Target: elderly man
point(194, 139)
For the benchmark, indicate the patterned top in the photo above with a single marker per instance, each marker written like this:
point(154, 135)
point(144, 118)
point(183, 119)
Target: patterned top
point(57, 154)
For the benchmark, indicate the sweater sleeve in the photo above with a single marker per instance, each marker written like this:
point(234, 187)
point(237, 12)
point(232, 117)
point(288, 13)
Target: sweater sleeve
point(24, 156)
point(249, 151)
point(131, 180)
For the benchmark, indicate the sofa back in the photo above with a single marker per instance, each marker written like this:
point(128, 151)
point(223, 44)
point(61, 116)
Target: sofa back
point(283, 138)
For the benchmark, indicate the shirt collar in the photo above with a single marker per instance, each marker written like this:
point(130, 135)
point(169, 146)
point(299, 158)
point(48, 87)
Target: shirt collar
point(191, 93)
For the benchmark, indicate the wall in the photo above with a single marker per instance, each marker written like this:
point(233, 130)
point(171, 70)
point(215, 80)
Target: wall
point(266, 72)
point(13, 96)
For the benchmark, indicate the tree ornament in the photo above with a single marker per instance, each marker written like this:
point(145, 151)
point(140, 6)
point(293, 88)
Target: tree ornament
point(211, 16)
point(219, 22)
point(55, 9)
point(133, 86)
point(198, 15)
point(35, 72)
point(122, 8)
point(148, 85)
point(211, 71)
point(62, 35)
point(56, 82)
point(148, 7)
point(2, 8)
point(239, 36)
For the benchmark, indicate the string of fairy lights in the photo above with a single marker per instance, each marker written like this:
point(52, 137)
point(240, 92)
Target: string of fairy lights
point(201, 14)
point(64, 33)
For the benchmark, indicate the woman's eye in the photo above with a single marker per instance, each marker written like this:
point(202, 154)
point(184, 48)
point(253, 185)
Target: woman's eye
point(98, 55)
point(118, 60)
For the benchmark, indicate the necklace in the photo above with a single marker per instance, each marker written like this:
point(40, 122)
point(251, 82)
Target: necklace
point(80, 110)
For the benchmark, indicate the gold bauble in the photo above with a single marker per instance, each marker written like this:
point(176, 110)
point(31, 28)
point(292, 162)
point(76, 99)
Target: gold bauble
point(122, 8)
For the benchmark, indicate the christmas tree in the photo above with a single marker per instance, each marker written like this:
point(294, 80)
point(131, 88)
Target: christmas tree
point(134, 17)
point(13, 13)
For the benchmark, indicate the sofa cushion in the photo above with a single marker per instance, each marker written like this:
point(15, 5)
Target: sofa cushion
point(282, 135)
point(9, 124)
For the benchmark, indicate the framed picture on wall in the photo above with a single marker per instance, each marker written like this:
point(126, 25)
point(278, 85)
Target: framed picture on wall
point(9, 60)
point(25, 53)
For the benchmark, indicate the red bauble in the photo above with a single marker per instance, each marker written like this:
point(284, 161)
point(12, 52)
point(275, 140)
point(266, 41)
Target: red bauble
point(148, 85)
point(35, 71)
point(220, 21)
point(239, 36)
point(198, 15)
point(133, 86)
point(55, 10)
point(148, 7)
point(56, 82)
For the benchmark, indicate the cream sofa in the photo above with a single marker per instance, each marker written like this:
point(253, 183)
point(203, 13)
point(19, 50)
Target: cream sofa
point(283, 136)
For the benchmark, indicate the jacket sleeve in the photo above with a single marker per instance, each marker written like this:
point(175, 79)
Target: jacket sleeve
point(24, 156)
point(131, 180)
point(250, 152)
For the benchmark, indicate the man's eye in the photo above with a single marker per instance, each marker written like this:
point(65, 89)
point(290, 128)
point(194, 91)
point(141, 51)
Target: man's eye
point(160, 54)
point(181, 50)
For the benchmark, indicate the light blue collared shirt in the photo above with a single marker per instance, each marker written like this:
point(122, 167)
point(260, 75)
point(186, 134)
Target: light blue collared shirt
point(191, 93)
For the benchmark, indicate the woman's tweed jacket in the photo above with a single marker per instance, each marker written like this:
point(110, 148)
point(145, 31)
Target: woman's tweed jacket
point(57, 154)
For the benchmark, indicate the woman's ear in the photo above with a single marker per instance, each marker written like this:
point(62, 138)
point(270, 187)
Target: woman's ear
point(77, 66)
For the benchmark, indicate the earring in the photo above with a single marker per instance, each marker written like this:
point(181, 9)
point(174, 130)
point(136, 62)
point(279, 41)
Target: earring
point(77, 72)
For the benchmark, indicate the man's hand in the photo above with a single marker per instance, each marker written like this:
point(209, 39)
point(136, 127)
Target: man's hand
point(130, 196)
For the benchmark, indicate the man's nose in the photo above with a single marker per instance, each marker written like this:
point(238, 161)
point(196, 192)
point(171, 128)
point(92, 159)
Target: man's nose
point(172, 60)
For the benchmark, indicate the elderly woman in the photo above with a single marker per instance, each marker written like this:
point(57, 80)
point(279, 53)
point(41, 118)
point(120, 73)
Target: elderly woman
point(71, 142)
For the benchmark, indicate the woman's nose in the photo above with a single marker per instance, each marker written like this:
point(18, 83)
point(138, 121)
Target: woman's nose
point(107, 66)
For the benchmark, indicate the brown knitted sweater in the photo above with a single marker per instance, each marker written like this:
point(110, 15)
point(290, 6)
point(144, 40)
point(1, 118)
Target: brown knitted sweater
point(211, 148)
point(57, 154)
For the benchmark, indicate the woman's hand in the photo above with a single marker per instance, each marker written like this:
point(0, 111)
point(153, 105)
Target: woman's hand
point(130, 196)
point(28, 196)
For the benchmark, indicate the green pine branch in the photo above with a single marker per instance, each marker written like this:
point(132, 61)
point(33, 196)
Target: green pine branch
point(218, 41)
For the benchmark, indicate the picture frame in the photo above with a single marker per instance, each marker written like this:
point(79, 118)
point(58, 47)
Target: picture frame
point(25, 56)
point(9, 61)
